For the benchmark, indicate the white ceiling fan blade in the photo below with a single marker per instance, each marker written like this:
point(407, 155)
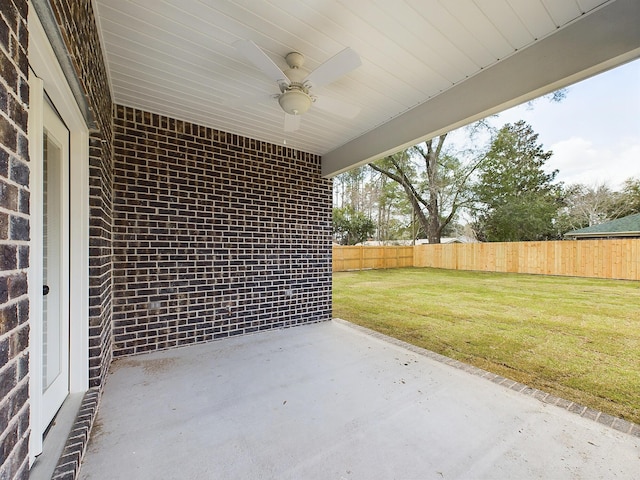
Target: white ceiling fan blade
point(255, 55)
point(291, 122)
point(334, 68)
point(337, 107)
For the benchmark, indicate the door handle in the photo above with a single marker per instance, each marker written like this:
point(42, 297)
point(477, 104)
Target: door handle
point(45, 290)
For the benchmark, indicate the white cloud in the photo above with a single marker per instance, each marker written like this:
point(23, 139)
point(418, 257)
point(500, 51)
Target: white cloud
point(580, 161)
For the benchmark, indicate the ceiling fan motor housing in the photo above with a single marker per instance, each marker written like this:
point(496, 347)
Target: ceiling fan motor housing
point(295, 99)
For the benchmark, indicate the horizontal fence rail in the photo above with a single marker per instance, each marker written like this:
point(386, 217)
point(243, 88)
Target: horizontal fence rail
point(615, 258)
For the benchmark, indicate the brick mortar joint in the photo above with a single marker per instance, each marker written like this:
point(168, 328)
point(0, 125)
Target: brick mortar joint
point(17, 243)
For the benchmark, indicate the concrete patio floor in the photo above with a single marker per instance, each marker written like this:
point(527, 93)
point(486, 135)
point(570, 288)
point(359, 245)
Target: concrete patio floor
point(329, 401)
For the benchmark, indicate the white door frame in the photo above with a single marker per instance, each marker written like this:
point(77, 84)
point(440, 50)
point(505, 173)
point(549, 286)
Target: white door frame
point(46, 75)
point(57, 278)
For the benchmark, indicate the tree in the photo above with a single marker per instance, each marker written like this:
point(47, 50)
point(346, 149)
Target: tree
point(434, 181)
point(351, 227)
point(629, 198)
point(585, 206)
point(348, 188)
point(516, 198)
point(365, 191)
point(393, 210)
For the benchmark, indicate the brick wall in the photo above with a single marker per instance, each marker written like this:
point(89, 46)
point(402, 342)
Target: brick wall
point(14, 238)
point(78, 28)
point(100, 258)
point(214, 234)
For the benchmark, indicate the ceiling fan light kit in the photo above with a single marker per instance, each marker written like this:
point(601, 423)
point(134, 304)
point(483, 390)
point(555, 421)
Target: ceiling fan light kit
point(295, 101)
point(295, 83)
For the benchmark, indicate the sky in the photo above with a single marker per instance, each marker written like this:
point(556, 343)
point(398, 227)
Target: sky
point(594, 132)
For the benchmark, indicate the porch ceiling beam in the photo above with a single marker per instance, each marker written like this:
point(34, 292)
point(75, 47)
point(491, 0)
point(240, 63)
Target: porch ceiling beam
point(596, 42)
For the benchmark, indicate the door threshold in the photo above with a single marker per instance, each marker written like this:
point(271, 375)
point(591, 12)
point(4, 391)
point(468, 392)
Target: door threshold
point(55, 439)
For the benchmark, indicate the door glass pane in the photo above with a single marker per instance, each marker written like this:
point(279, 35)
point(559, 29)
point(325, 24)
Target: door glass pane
point(51, 331)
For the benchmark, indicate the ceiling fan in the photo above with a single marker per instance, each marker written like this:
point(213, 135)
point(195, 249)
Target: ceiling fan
point(296, 83)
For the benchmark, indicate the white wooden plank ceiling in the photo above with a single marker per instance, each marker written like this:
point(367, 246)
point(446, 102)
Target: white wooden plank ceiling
point(176, 57)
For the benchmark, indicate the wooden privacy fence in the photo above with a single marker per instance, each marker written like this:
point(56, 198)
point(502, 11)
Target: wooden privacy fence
point(366, 258)
point(615, 258)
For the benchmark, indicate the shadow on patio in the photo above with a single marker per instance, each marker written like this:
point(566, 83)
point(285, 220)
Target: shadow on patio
point(329, 401)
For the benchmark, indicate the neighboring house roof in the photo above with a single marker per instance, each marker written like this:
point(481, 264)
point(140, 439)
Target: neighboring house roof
point(628, 226)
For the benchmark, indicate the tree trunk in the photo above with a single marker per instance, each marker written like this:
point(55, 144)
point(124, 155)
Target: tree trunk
point(413, 196)
point(431, 157)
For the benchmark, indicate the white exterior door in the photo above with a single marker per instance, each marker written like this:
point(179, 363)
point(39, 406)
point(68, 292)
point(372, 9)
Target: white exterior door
point(55, 267)
point(59, 248)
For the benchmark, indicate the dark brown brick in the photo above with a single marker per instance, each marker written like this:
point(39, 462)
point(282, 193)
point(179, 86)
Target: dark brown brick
point(17, 285)
point(4, 351)
point(8, 257)
point(8, 380)
point(19, 172)
point(4, 163)
point(203, 235)
point(19, 228)
point(8, 196)
point(23, 256)
point(4, 226)
point(9, 73)
point(5, 32)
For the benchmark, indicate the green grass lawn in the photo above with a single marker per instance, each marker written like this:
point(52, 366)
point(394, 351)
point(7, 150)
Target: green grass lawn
point(576, 338)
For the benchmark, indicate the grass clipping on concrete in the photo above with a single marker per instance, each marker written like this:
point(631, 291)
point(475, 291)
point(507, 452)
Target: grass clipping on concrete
point(576, 338)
